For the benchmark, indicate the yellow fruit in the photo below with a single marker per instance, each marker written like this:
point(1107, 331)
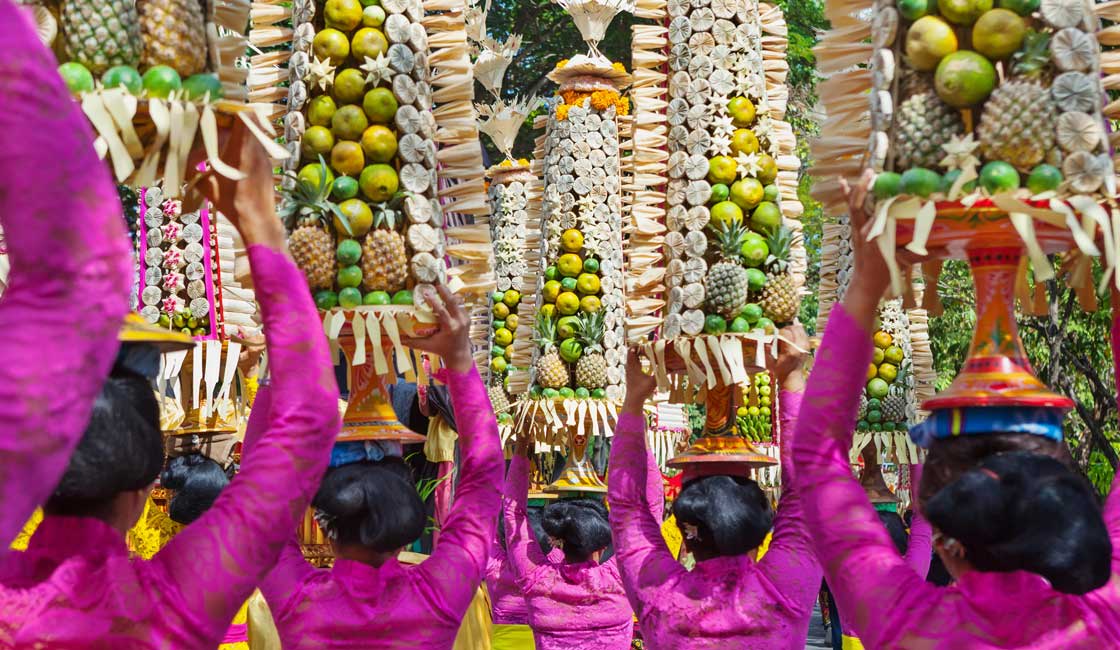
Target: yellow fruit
point(500, 310)
point(511, 322)
point(343, 15)
point(379, 182)
point(569, 265)
point(349, 86)
point(348, 123)
point(379, 144)
point(883, 340)
point(872, 371)
point(380, 105)
point(368, 42)
point(742, 111)
point(587, 283)
point(357, 214)
point(768, 172)
point(511, 297)
point(503, 337)
point(317, 141)
point(722, 169)
point(347, 158)
point(590, 304)
point(551, 290)
point(567, 303)
point(549, 311)
point(321, 110)
point(572, 240)
point(998, 34)
point(929, 40)
point(331, 44)
point(888, 372)
point(744, 141)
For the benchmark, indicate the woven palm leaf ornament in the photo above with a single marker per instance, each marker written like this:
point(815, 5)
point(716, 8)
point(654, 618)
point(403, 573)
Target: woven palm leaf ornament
point(491, 56)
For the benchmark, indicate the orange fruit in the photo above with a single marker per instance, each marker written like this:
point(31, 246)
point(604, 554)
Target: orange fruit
point(590, 304)
point(551, 290)
point(567, 303)
point(349, 86)
point(742, 111)
point(357, 214)
point(343, 15)
point(321, 110)
point(368, 42)
point(348, 123)
point(313, 174)
point(963, 12)
point(379, 143)
point(571, 240)
point(747, 193)
point(569, 265)
point(998, 33)
point(380, 105)
point(379, 182)
point(727, 212)
point(882, 340)
point(331, 44)
point(347, 158)
point(722, 169)
point(769, 169)
point(744, 141)
point(587, 283)
point(317, 141)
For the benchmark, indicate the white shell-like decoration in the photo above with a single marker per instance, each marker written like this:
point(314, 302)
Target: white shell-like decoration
point(1073, 50)
point(423, 238)
point(1062, 13)
point(1077, 131)
point(1076, 91)
point(426, 268)
point(692, 322)
point(698, 192)
point(697, 217)
point(693, 295)
point(884, 27)
point(1085, 172)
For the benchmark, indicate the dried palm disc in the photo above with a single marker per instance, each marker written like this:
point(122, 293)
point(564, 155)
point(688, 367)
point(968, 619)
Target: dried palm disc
point(1062, 13)
point(1073, 49)
point(567, 165)
point(404, 88)
point(882, 110)
point(697, 116)
point(423, 93)
point(672, 328)
point(1084, 171)
point(882, 69)
point(1076, 91)
point(695, 269)
point(1078, 131)
point(722, 81)
point(692, 322)
point(680, 29)
point(394, 6)
point(679, 7)
point(700, 67)
point(725, 8)
point(679, 56)
point(415, 178)
point(45, 25)
point(884, 27)
point(415, 10)
point(411, 148)
point(593, 122)
point(401, 58)
point(422, 237)
point(878, 146)
point(437, 212)
point(700, 4)
point(677, 161)
point(698, 142)
point(426, 268)
point(697, 217)
point(594, 139)
point(702, 43)
point(698, 193)
point(421, 59)
point(598, 158)
point(676, 298)
point(677, 136)
point(581, 186)
point(418, 37)
point(679, 83)
point(397, 28)
point(696, 244)
point(674, 244)
point(677, 111)
point(696, 167)
point(408, 120)
point(702, 19)
point(675, 217)
point(692, 295)
point(429, 128)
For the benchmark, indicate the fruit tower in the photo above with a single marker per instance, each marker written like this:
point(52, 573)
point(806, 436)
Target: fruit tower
point(986, 131)
point(154, 77)
point(371, 221)
point(711, 87)
point(577, 316)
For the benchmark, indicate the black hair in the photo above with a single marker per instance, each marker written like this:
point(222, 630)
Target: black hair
point(896, 528)
point(731, 514)
point(372, 504)
point(1024, 511)
point(120, 451)
point(197, 481)
point(533, 514)
point(580, 523)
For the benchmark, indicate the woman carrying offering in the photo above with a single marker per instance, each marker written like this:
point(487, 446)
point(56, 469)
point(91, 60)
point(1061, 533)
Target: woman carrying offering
point(371, 511)
point(728, 600)
point(1021, 533)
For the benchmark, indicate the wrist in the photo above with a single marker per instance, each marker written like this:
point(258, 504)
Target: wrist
point(633, 405)
point(460, 362)
point(794, 382)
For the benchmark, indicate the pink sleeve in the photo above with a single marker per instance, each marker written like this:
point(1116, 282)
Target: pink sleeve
point(1112, 505)
point(636, 498)
point(522, 550)
point(919, 551)
point(216, 562)
point(791, 562)
point(458, 563)
point(70, 266)
point(861, 564)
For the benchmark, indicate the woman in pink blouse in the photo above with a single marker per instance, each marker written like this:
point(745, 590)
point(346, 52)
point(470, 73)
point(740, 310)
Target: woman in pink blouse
point(1019, 531)
point(371, 511)
point(76, 586)
point(576, 602)
point(729, 600)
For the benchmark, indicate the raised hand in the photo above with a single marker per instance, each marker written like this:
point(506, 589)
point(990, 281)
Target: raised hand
point(452, 342)
point(639, 385)
point(789, 368)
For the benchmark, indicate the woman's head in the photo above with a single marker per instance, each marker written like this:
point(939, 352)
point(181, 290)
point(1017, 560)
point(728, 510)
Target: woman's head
point(580, 525)
point(371, 504)
point(949, 458)
point(118, 458)
point(197, 481)
point(896, 528)
point(1023, 511)
point(722, 516)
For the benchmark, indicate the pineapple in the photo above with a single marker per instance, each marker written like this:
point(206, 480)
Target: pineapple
point(174, 34)
point(924, 123)
point(498, 399)
point(780, 302)
point(306, 211)
point(1018, 124)
point(591, 369)
point(100, 34)
point(384, 258)
point(726, 284)
point(894, 408)
point(550, 368)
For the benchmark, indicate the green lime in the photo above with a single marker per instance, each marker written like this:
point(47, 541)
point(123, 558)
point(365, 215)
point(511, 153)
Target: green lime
point(1044, 178)
point(377, 298)
point(919, 181)
point(344, 188)
point(1022, 7)
point(497, 351)
point(402, 297)
point(198, 86)
point(771, 193)
point(571, 350)
point(568, 284)
point(756, 279)
point(998, 176)
point(550, 273)
point(566, 393)
point(766, 325)
point(161, 80)
point(535, 392)
point(78, 78)
point(349, 252)
point(326, 300)
point(886, 185)
point(590, 265)
point(915, 9)
point(349, 298)
point(497, 296)
point(598, 393)
point(715, 324)
point(123, 75)
point(583, 393)
point(877, 388)
point(950, 177)
point(766, 218)
point(720, 192)
point(964, 79)
point(350, 276)
point(752, 312)
point(739, 325)
point(754, 249)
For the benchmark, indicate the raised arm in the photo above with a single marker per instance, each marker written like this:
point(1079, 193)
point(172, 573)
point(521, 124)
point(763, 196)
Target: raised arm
point(919, 551)
point(522, 550)
point(1112, 505)
point(70, 266)
point(217, 561)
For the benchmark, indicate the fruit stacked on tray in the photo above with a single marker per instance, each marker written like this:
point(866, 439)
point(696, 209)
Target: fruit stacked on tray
point(886, 403)
point(755, 415)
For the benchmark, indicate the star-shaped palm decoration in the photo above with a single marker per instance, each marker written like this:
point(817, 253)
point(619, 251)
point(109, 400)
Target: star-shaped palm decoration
point(586, 206)
point(749, 164)
point(721, 144)
point(321, 73)
point(377, 70)
point(764, 126)
point(746, 83)
point(959, 153)
point(722, 122)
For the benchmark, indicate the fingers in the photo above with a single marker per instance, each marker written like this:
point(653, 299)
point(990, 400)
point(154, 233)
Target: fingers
point(857, 197)
point(439, 307)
